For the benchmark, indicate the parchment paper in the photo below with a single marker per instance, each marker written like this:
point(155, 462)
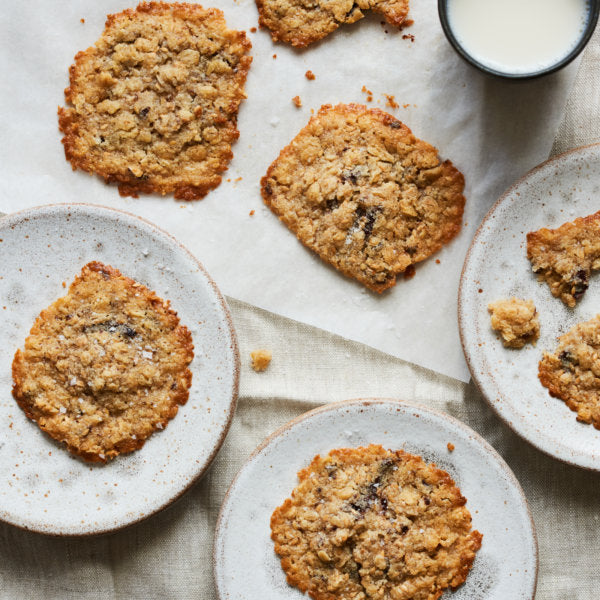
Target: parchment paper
point(493, 131)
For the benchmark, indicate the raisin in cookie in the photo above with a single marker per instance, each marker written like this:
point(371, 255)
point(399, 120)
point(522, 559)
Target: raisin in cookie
point(358, 188)
point(153, 105)
point(565, 257)
point(104, 366)
point(371, 523)
point(572, 371)
point(516, 321)
point(301, 22)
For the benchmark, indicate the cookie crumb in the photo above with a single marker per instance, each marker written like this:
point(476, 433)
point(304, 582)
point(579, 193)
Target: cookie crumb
point(64, 284)
point(252, 29)
point(297, 101)
point(260, 359)
point(368, 92)
point(410, 271)
point(391, 101)
point(251, 213)
point(516, 321)
point(82, 20)
point(450, 447)
point(274, 56)
point(408, 36)
point(438, 261)
point(309, 75)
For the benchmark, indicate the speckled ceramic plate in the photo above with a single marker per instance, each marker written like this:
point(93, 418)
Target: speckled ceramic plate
point(46, 489)
point(496, 267)
point(246, 566)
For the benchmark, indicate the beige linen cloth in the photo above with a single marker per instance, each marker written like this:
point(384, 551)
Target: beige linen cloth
point(170, 555)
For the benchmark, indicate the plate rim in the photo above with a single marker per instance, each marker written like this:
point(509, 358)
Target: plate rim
point(461, 313)
point(369, 401)
point(18, 216)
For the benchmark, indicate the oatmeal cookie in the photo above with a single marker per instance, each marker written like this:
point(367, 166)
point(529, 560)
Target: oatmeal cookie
point(358, 188)
point(153, 105)
point(565, 257)
point(572, 371)
point(104, 366)
point(372, 523)
point(302, 22)
point(516, 321)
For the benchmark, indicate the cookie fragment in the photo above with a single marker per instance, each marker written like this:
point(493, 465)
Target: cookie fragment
point(360, 190)
point(372, 523)
point(301, 23)
point(261, 359)
point(572, 371)
point(565, 257)
point(153, 104)
point(104, 366)
point(516, 321)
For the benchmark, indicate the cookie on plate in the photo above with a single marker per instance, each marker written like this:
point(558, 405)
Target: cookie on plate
point(565, 257)
point(516, 321)
point(153, 104)
point(301, 23)
point(572, 371)
point(358, 188)
point(104, 366)
point(372, 523)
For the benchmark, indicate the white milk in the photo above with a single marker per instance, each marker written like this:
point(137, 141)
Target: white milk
point(518, 36)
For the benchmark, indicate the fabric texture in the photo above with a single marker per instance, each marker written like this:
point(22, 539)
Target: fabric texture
point(170, 555)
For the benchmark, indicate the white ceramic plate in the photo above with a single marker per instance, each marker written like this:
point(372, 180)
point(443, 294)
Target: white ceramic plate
point(246, 566)
point(496, 266)
point(46, 489)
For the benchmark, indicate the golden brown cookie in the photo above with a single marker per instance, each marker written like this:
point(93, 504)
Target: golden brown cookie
point(572, 371)
point(358, 188)
point(565, 257)
point(371, 523)
point(516, 321)
point(153, 105)
point(301, 22)
point(104, 366)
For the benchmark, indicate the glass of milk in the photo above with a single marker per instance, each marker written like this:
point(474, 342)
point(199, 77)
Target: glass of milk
point(518, 39)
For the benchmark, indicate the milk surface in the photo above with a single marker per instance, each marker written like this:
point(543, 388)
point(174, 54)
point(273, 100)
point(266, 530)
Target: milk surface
point(518, 36)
